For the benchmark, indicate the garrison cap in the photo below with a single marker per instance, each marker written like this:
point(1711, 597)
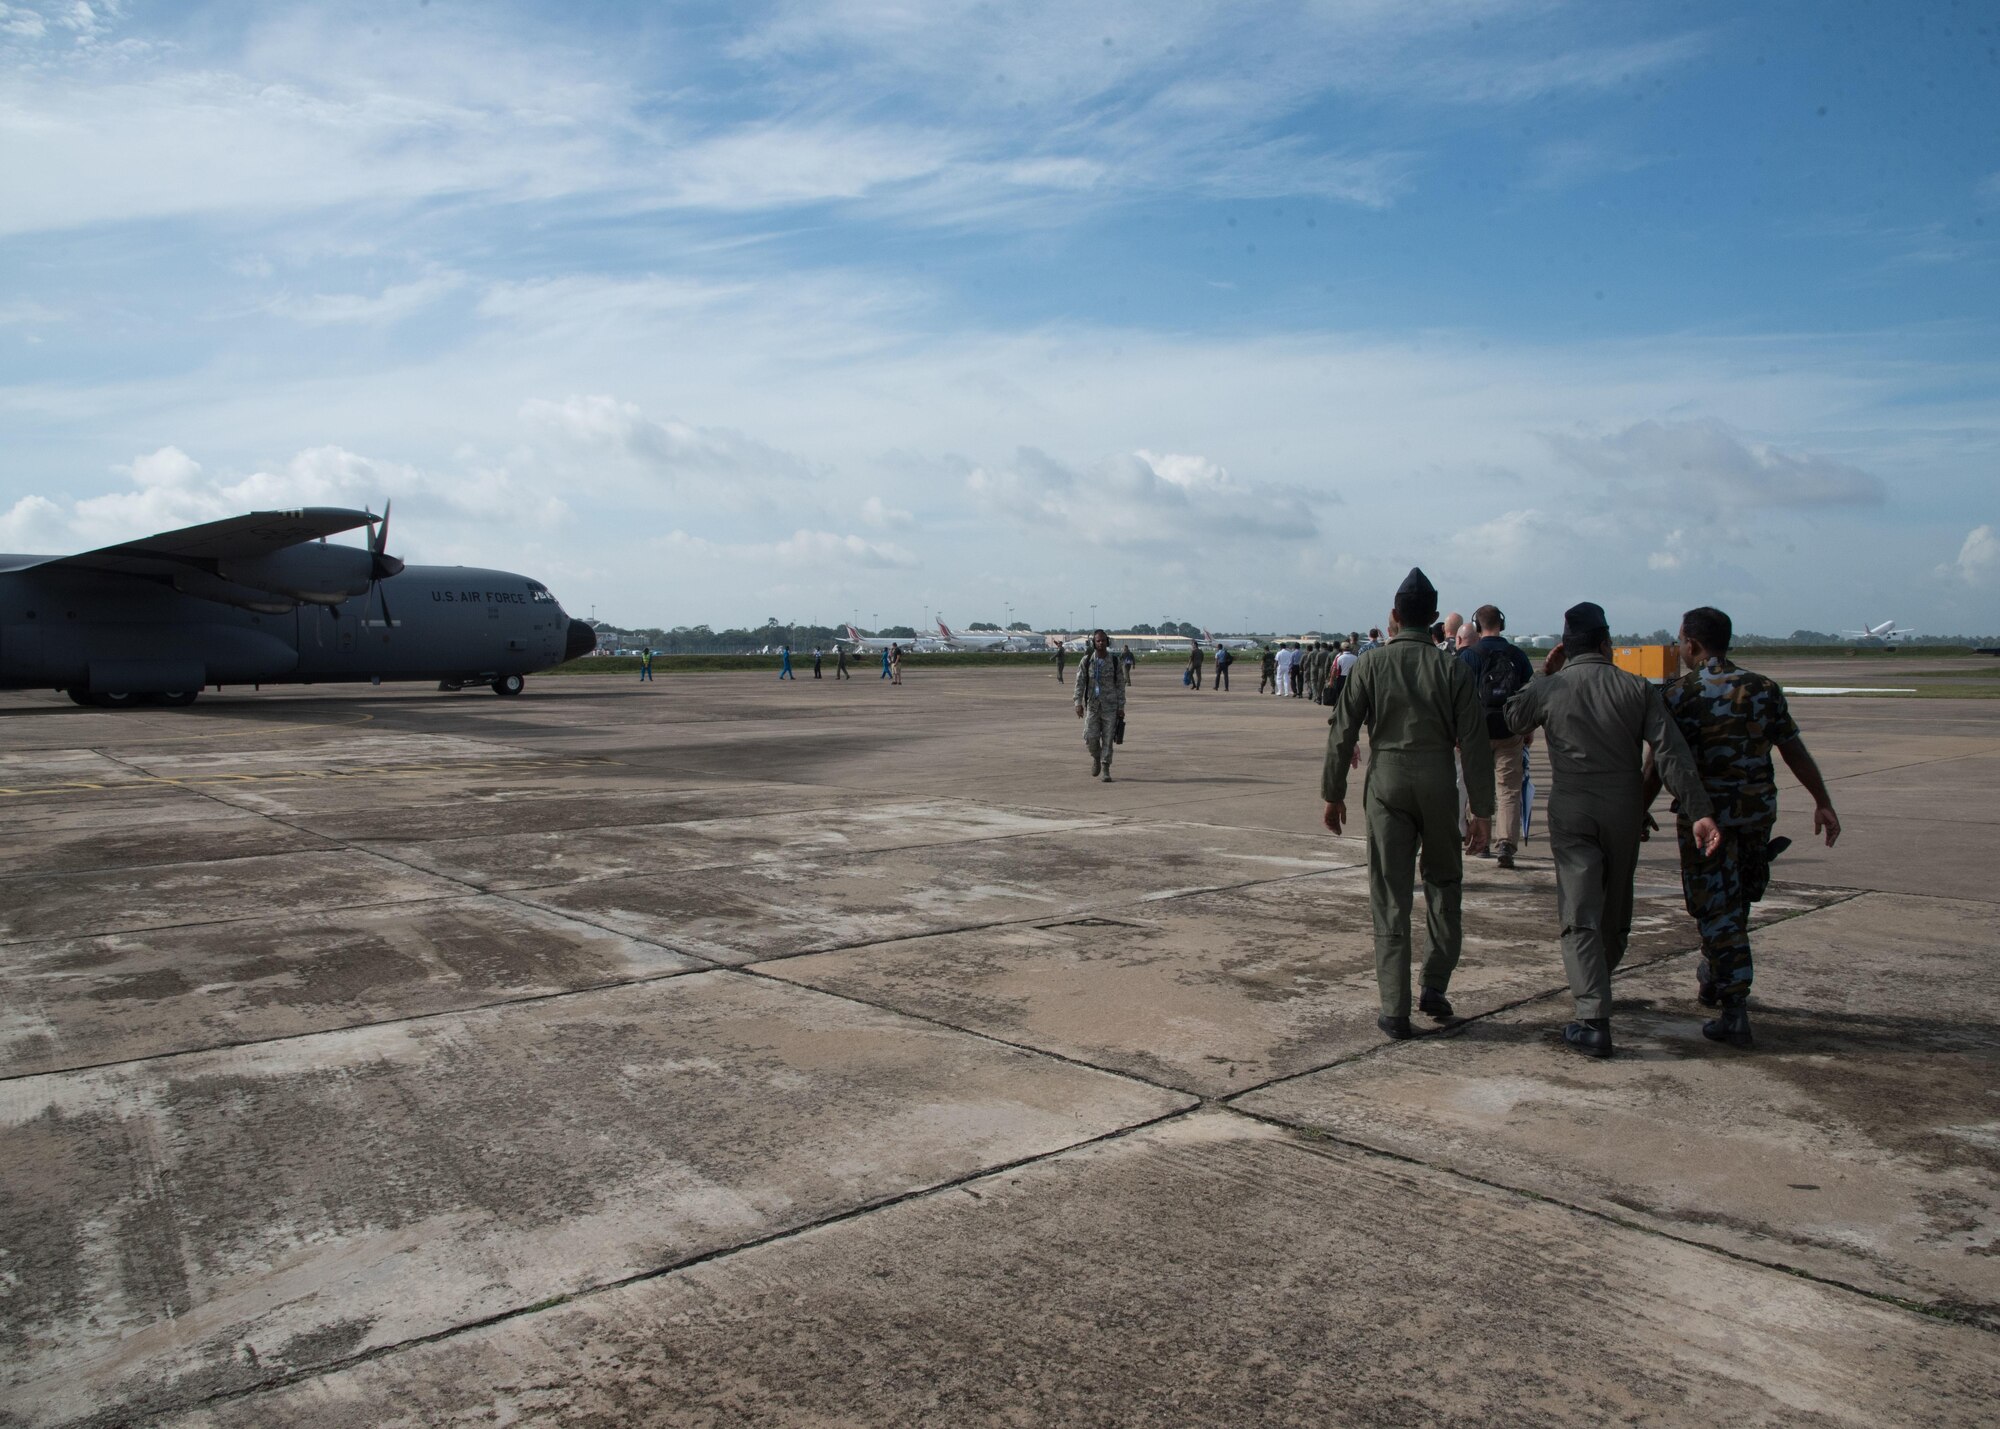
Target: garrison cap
point(1417, 590)
point(1585, 624)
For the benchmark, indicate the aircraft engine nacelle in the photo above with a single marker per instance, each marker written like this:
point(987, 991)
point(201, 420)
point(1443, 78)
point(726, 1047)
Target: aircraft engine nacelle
point(316, 574)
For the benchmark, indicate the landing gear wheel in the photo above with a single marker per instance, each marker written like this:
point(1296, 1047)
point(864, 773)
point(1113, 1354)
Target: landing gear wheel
point(176, 699)
point(122, 700)
point(509, 685)
point(85, 698)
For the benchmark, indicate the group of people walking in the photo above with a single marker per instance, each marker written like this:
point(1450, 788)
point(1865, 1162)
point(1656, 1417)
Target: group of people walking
point(1708, 738)
point(1449, 714)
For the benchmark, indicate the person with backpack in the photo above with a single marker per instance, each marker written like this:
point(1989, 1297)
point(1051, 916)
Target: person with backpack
point(1100, 703)
point(1499, 672)
point(1223, 660)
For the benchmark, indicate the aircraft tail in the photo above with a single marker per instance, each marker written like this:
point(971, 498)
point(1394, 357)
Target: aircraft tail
point(945, 630)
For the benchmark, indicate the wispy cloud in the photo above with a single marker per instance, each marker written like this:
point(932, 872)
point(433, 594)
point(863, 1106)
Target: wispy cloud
point(1706, 465)
point(802, 550)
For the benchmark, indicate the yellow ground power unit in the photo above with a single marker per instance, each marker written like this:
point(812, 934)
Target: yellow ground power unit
point(1658, 663)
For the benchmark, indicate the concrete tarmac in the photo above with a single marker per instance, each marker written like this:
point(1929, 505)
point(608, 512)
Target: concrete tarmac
point(717, 1051)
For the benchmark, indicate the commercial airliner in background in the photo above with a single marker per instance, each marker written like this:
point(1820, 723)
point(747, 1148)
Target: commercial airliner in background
point(262, 599)
point(1887, 631)
point(882, 642)
point(991, 639)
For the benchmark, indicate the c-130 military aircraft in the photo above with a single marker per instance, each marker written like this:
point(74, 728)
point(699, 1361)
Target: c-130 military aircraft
point(262, 599)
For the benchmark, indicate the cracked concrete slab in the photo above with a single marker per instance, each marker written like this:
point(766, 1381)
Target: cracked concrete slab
point(811, 903)
point(186, 1227)
point(545, 857)
point(1206, 1271)
point(1213, 993)
point(88, 831)
point(181, 894)
point(85, 1001)
point(541, 798)
point(1859, 1142)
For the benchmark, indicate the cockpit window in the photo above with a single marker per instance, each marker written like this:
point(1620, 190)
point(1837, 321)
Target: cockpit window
point(539, 593)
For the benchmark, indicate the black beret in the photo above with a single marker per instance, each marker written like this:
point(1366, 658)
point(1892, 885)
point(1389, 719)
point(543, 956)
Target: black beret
point(1585, 624)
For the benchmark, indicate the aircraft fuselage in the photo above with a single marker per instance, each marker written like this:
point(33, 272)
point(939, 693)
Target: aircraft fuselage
point(83, 631)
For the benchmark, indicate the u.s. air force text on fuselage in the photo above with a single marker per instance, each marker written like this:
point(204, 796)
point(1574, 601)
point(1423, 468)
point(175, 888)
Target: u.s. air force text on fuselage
point(262, 599)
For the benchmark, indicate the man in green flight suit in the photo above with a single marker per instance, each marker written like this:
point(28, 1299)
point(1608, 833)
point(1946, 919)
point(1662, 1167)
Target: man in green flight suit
point(1597, 717)
point(1732, 719)
point(1418, 706)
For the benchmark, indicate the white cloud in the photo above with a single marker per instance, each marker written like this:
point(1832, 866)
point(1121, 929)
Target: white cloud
point(170, 489)
point(396, 301)
point(33, 524)
point(878, 513)
point(803, 550)
point(1978, 562)
point(671, 450)
point(1143, 499)
point(1706, 464)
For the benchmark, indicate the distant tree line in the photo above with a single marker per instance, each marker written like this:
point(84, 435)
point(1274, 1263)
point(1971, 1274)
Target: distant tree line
point(701, 640)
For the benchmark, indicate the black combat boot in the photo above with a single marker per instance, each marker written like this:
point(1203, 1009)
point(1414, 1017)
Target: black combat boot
point(1592, 1037)
point(1732, 1028)
point(1505, 856)
point(1433, 1004)
point(1396, 1029)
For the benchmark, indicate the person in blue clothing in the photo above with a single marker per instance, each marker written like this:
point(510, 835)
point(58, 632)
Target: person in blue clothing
point(646, 665)
point(885, 664)
point(785, 663)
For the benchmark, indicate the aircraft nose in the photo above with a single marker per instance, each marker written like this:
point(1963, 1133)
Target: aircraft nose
point(582, 640)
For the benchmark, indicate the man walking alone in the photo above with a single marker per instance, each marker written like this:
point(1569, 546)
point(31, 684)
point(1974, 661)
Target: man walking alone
point(1100, 702)
point(1418, 707)
point(1597, 717)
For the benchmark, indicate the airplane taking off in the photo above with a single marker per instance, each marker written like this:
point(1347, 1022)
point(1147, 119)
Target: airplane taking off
point(1888, 630)
point(262, 599)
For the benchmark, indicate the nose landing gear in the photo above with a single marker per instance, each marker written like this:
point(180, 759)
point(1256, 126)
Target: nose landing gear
point(509, 685)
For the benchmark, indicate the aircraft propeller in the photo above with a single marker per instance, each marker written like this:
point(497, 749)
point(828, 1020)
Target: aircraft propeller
point(382, 565)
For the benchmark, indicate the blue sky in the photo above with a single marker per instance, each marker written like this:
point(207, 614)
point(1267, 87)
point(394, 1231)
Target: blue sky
point(1225, 312)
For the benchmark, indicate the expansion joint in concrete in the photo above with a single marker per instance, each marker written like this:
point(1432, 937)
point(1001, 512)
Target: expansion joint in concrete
point(659, 1272)
point(1305, 1135)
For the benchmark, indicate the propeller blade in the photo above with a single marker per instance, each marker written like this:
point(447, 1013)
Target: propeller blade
point(382, 565)
point(383, 597)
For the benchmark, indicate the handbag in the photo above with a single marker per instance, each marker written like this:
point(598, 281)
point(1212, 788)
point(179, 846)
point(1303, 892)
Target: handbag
point(1118, 729)
point(1187, 677)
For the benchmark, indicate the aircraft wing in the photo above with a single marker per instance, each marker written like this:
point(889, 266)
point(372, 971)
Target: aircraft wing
point(237, 537)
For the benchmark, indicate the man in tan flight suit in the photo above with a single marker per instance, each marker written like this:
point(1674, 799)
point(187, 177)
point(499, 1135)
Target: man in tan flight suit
point(1597, 716)
point(1418, 705)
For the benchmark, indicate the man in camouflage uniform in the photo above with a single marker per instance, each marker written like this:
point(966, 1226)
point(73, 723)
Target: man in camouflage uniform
point(1732, 719)
point(1418, 706)
point(1100, 700)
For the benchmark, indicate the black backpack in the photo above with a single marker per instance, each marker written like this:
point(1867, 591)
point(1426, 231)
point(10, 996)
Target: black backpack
point(1500, 678)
